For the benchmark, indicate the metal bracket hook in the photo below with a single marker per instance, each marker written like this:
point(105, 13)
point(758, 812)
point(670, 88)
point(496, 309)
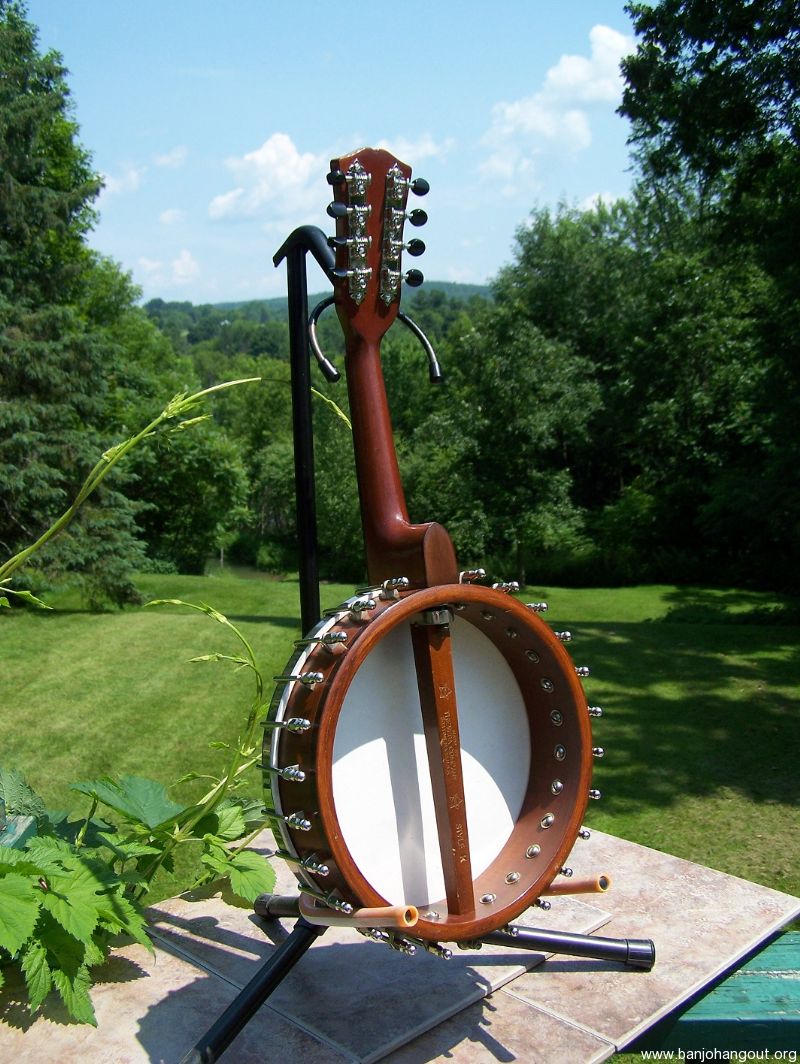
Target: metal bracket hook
point(331, 372)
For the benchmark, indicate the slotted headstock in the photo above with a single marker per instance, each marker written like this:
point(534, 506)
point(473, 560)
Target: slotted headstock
point(371, 190)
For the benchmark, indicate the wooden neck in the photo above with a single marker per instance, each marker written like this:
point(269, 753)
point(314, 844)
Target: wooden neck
point(394, 547)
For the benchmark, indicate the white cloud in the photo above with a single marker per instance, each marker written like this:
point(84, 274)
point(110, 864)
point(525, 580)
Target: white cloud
point(171, 216)
point(181, 271)
point(150, 267)
point(275, 176)
point(185, 268)
point(127, 181)
point(173, 159)
point(415, 151)
point(556, 118)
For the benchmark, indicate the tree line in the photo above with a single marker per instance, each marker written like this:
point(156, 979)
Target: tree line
point(621, 406)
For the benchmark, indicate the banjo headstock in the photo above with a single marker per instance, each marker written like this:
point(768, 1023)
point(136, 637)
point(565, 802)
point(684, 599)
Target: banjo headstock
point(371, 189)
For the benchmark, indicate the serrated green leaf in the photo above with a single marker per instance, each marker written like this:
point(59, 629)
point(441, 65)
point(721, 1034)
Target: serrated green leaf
point(73, 900)
point(126, 849)
point(37, 974)
point(134, 798)
point(74, 992)
point(120, 916)
point(20, 901)
point(20, 797)
point(230, 823)
point(251, 874)
point(218, 864)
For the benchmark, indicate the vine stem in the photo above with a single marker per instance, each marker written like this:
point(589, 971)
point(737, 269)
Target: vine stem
point(178, 405)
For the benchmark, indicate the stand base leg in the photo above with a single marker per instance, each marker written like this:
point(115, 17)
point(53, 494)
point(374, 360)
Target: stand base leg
point(634, 952)
point(219, 1036)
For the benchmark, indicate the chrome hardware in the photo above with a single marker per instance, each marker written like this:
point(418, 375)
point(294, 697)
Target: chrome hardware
point(584, 834)
point(537, 607)
point(564, 637)
point(582, 670)
point(595, 794)
point(293, 724)
point(547, 685)
point(542, 903)
point(547, 821)
point(298, 822)
point(291, 773)
point(375, 933)
point(598, 751)
point(487, 615)
point(356, 177)
point(402, 945)
point(557, 717)
point(431, 914)
point(438, 951)
point(533, 851)
point(389, 589)
point(469, 576)
point(310, 864)
point(595, 711)
point(359, 280)
point(512, 633)
point(437, 617)
point(556, 786)
point(513, 877)
point(512, 930)
point(531, 655)
point(357, 216)
point(559, 752)
point(329, 900)
point(359, 608)
point(308, 679)
point(488, 899)
point(566, 872)
point(507, 587)
point(327, 639)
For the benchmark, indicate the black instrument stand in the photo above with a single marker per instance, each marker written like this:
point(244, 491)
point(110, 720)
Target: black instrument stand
point(635, 953)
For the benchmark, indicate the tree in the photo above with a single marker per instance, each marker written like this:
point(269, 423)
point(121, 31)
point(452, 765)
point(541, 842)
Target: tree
point(712, 92)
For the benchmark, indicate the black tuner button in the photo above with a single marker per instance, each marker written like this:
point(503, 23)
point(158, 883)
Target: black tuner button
point(338, 210)
point(336, 177)
point(420, 187)
point(337, 242)
point(415, 247)
point(414, 278)
point(417, 217)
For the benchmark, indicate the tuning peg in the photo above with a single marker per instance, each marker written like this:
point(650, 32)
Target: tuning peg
point(414, 278)
point(338, 241)
point(420, 187)
point(415, 246)
point(336, 177)
point(338, 210)
point(417, 216)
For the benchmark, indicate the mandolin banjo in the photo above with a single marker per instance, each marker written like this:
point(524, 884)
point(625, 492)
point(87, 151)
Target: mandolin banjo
point(428, 747)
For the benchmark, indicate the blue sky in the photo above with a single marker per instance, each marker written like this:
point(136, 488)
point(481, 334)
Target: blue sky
point(214, 123)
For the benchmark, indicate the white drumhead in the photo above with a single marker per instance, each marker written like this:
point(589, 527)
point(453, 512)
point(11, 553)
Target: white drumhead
point(381, 780)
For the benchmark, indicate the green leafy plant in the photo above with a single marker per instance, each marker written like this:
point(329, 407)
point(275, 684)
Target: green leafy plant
point(78, 884)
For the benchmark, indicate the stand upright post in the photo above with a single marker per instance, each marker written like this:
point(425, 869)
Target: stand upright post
point(306, 238)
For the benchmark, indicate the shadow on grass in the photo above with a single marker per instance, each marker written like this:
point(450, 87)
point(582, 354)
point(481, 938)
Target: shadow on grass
point(693, 709)
point(692, 605)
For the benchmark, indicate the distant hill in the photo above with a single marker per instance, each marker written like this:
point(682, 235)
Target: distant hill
point(277, 305)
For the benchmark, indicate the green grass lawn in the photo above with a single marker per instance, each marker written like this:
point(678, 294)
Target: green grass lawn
point(699, 689)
